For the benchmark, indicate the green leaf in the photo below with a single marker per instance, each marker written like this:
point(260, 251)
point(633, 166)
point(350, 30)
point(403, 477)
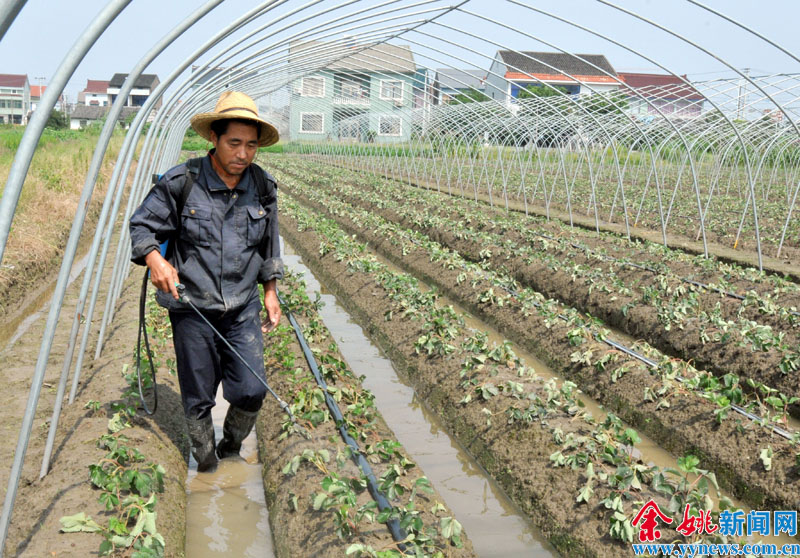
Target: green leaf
point(449, 527)
point(586, 493)
point(143, 483)
point(117, 423)
point(319, 499)
point(766, 458)
point(688, 463)
point(632, 436)
point(79, 522)
point(105, 548)
point(119, 540)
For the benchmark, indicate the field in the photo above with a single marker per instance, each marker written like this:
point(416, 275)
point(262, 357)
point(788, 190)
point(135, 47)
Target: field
point(699, 355)
point(656, 374)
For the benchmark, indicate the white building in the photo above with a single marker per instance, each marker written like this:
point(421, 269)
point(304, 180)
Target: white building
point(142, 88)
point(95, 94)
point(86, 115)
point(15, 98)
point(578, 74)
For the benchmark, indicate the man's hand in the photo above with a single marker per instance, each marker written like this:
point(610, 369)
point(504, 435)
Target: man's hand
point(272, 306)
point(162, 274)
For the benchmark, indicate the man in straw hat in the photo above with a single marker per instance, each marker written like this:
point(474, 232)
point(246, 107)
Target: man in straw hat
point(223, 243)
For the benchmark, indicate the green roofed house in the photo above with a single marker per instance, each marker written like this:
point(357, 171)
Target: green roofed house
point(353, 92)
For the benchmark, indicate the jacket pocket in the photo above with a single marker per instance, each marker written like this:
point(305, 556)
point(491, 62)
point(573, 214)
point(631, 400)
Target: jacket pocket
point(196, 224)
point(257, 218)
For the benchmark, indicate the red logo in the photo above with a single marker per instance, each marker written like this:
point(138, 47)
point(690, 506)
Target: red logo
point(699, 524)
point(647, 515)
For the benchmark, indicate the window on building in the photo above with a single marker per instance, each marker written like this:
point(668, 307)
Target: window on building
point(18, 104)
point(312, 87)
point(391, 90)
point(312, 122)
point(17, 119)
point(84, 123)
point(390, 126)
point(3, 103)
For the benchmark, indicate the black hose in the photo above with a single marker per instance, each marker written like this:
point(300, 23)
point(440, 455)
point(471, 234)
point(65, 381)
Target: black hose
point(398, 534)
point(143, 334)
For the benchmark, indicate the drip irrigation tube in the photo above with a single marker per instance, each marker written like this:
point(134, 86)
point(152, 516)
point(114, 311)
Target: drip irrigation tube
point(653, 364)
point(398, 534)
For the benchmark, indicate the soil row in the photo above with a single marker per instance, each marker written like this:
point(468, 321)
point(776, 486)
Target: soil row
point(626, 313)
point(679, 421)
point(298, 465)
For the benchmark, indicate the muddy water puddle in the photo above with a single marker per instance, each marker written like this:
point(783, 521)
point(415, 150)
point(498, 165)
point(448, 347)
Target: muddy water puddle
point(493, 523)
point(226, 514)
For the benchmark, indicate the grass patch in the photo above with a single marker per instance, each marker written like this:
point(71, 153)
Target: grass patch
point(47, 203)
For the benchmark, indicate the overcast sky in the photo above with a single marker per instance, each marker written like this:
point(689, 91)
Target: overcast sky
point(46, 29)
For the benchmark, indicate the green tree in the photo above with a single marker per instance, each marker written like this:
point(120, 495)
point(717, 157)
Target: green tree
point(605, 103)
point(58, 120)
point(469, 96)
point(530, 91)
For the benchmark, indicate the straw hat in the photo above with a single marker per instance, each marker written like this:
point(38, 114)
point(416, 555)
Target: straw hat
point(233, 104)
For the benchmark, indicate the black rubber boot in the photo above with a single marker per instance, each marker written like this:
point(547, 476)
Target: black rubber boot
point(238, 424)
point(201, 434)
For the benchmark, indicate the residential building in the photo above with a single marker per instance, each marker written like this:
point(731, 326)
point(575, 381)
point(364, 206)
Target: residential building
point(86, 115)
point(95, 94)
point(448, 83)
point(15, 98)
point(364, 96)
point(209, 75)
point(143, 87)
point(578, 74)
point(667, 94)
point(36, 95)
point(37, 91)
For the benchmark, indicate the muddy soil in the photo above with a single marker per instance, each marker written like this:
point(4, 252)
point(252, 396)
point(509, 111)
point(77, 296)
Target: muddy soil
point(66, 490)
point(731, 448)
point(517, 455)
point(625, 313)
point(300, 530)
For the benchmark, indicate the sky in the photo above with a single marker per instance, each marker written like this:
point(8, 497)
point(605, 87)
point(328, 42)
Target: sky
point(46, 29)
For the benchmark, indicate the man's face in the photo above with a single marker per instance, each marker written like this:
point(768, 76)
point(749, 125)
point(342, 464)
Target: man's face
point(236, 148)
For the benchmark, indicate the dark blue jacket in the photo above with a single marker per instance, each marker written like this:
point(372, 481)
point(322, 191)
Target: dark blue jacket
point(217, 254)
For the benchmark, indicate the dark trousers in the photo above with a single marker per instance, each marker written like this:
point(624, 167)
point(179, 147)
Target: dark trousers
point(203, 360)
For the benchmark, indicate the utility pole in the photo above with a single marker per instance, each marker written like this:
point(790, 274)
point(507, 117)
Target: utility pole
point(742, 95)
